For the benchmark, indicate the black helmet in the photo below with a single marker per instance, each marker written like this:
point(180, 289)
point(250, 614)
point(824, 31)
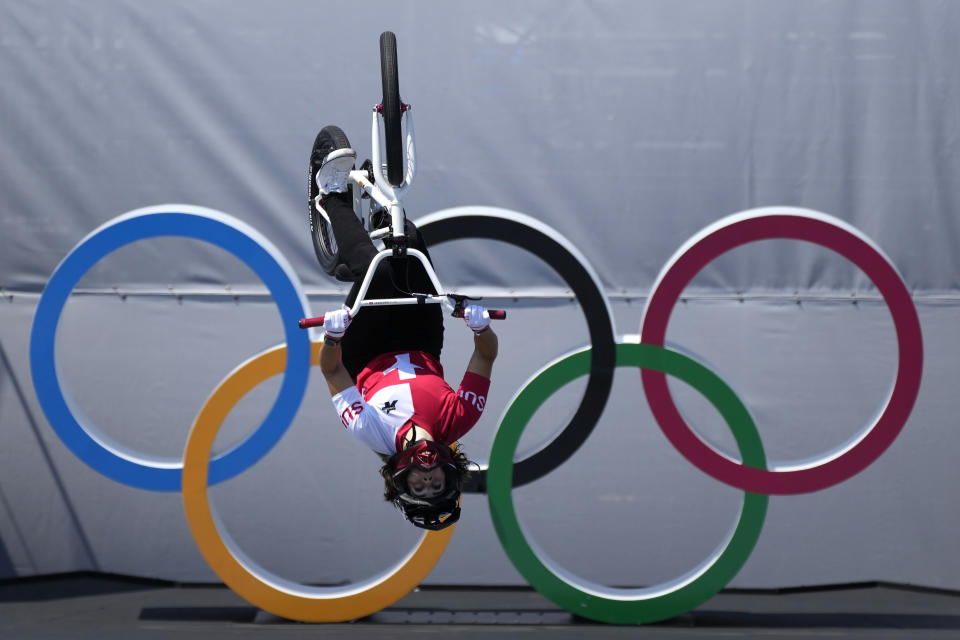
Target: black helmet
point(438, 512)
point(434, 513)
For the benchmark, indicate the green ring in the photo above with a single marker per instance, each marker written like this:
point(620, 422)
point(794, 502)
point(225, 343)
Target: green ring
point(606, 604)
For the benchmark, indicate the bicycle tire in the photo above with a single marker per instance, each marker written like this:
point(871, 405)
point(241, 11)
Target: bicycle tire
point(391, 108)
point(324, 244)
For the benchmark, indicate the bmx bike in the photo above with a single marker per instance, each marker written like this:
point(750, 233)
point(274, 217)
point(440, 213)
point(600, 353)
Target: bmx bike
point(393, 140)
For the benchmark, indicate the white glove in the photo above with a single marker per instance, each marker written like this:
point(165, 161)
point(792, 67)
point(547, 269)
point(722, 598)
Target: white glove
point(335, 323)
point(476, 317)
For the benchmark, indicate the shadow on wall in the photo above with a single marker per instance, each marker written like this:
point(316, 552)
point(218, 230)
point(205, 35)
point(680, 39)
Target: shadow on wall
point(7, 569)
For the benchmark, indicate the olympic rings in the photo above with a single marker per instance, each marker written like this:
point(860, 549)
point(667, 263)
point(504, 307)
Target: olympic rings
point(256, 585)
point(76, 431)
point(598, 361)
point(798, 224)
point(532, 235)
point(623, 606)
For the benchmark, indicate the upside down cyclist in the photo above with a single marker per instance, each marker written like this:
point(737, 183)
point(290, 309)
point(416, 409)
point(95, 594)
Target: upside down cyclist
point(383, 368)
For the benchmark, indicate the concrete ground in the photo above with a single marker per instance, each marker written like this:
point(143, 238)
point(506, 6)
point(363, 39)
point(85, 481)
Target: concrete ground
point(105, 607)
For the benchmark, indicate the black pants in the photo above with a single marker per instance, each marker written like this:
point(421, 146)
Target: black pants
point(378, 330)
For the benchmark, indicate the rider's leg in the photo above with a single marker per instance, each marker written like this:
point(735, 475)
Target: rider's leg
point(356, 250)
point(353, 242)
point(385, 329)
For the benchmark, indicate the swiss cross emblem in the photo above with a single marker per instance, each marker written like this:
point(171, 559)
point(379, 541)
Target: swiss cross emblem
point(426, 458)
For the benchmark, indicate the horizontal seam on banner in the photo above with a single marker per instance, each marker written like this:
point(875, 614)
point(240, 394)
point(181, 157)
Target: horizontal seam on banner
point(496, 294)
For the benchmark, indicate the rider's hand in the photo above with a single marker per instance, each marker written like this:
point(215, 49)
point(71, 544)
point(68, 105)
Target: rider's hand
point(335, 323)
point(476, 317)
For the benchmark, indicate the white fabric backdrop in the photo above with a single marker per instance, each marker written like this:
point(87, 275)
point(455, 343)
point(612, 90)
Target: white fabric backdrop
point(627, 126)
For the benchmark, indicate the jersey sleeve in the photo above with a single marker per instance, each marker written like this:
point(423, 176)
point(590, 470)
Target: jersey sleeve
point(466, 406)
point(362, 421)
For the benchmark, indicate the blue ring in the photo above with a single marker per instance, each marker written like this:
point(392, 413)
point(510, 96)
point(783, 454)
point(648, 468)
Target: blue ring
point(209, 226)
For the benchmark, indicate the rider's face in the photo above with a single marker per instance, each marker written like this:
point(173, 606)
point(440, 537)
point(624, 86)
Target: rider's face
point(426, 484)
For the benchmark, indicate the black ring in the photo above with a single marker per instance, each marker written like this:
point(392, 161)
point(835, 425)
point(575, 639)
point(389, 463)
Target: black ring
point(603, 355)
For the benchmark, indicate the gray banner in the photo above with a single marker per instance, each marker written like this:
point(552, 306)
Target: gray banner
point(626, 127)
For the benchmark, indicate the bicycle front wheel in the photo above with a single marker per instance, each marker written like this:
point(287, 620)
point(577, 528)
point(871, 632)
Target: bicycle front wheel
point(391, 108)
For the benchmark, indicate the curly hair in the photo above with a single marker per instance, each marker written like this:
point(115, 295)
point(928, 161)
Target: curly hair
point(390, 489)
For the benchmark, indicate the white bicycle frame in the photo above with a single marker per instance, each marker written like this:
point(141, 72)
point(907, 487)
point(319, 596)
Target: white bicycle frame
point(389, 196)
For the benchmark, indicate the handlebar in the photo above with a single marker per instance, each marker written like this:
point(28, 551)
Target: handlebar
point(495, 314)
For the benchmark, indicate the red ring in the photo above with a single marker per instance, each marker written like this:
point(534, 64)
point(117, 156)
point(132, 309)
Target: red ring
point(829, 232)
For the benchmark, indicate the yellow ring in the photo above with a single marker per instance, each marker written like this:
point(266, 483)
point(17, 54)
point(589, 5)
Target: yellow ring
point(271, 593)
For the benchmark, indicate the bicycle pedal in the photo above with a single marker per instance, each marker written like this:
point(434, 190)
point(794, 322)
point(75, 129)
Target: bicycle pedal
point(379, 219)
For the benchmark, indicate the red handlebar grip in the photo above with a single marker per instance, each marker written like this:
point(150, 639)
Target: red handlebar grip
point(495, 314)
point(306, 323)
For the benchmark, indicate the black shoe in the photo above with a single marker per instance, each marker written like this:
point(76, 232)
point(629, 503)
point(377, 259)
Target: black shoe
point(343, 274)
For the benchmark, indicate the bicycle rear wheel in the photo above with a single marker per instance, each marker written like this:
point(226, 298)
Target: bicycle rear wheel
point(324, 244)
point(391, 108)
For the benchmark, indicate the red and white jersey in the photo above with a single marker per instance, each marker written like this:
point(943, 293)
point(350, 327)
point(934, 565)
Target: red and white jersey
point(396, 390)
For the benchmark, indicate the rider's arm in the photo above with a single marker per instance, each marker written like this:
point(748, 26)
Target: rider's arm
point(464, 407)
point(335, 324)
point(485, 342)
point(331, 365)
point(485, 348)
point(360, 419)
